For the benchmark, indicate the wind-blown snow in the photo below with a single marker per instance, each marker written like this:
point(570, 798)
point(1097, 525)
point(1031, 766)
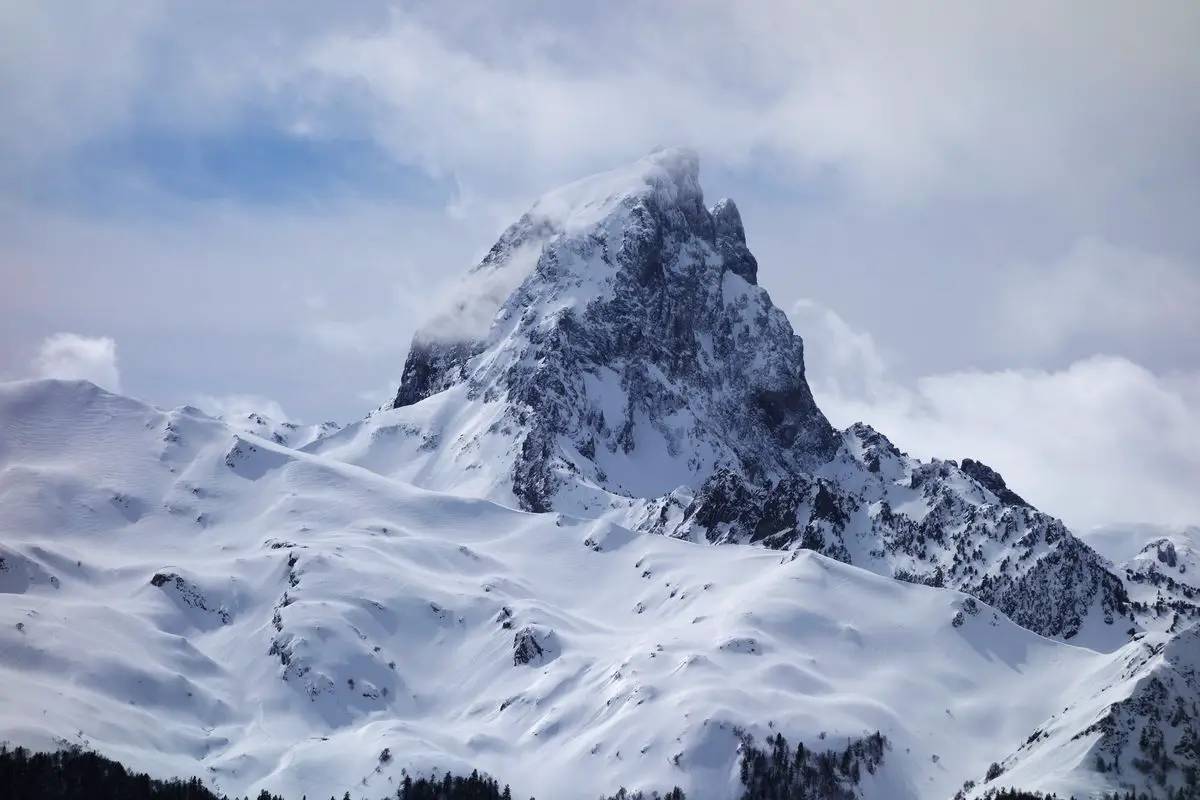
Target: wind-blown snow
point(584, 204)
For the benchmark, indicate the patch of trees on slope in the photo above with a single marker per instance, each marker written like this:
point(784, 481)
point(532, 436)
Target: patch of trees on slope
point(775, 771)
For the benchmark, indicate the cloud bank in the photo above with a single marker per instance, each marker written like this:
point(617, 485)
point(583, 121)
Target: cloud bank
point(1069, 106)
point(1002, 195)
point(74, 357)
point(1102, 440)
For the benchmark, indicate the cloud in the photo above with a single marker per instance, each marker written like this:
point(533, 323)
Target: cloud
point(403, 300)
point(75, 357)
point(239, 406)
point(901, 103)
point(466, 309)
point(1101, 441)
point(846, 361)
point(376, 397)
point(62, 80)
point(1061, 107)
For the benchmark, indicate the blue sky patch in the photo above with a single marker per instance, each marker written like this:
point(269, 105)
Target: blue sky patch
point(257, 167)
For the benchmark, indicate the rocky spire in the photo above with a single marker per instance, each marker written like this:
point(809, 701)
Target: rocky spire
point(630, 324)
point(731, 241)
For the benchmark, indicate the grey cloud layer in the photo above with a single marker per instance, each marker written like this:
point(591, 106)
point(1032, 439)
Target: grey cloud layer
point(997, 201)
point(1074, 99)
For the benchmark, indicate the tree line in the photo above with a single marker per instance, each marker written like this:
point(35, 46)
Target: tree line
point(775, 771)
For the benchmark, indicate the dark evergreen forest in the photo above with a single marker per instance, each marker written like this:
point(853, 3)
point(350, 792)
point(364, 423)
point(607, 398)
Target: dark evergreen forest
point(773, 772)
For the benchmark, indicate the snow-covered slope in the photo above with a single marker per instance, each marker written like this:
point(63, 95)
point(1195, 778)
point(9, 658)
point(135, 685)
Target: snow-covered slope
point(1164, 578)
point(1140, 729)
point(1161, 569)
point(937, 523)
point(191, 599)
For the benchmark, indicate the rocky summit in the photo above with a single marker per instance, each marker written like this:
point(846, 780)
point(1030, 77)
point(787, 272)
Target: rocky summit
point(635, 348)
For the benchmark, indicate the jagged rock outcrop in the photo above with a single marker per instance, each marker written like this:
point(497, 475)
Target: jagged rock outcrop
point(534, 644)
point(731, 241)
point(188, 595)
point(1164, 581)
point(991, 480)
point(935, 524)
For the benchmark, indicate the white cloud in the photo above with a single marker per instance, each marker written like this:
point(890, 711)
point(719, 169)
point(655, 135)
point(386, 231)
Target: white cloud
point(846, 361)
point(75, 357)
point(1090, 98)
point(466, 309)
point(1103, 440)
point(214, 298)
point(903, 102)
point(456, 304)
point(381, 394)
point(68, 72)
point(384, 331)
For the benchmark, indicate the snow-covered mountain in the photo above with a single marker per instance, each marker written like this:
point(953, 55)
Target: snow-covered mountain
point(613, 356)
point(1141, 722)
point(612, 345)
point(188, 598)
point(511, 568)
point(1163, 575)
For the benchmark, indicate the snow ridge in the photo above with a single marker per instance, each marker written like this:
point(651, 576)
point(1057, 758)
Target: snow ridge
point(934, 524)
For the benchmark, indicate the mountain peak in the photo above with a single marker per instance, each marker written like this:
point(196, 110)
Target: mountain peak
point(731, 240)
point(666, 178)
point(619, 330)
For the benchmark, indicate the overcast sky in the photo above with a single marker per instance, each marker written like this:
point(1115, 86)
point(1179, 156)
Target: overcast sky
point(983, 218)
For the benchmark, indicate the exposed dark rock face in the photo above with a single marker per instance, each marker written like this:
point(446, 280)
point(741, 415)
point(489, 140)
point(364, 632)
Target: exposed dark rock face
point(1165, 551)
point(989, 479)
point(526, 648)
point(188, 594)
point(534, 645)
point(432, 367)
point(731, 241)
